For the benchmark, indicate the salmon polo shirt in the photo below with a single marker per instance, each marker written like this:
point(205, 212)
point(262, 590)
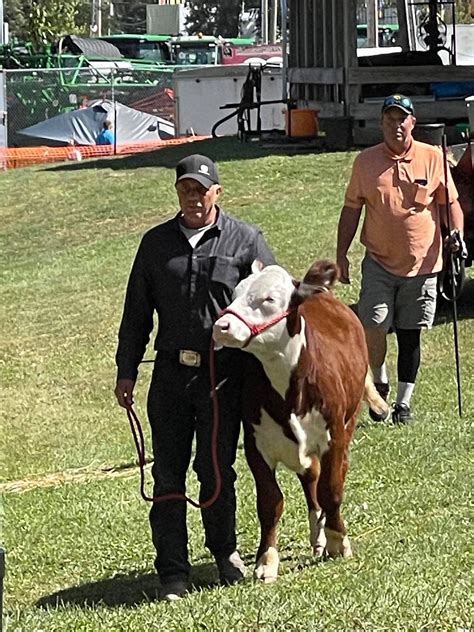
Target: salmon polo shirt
point(401, 229)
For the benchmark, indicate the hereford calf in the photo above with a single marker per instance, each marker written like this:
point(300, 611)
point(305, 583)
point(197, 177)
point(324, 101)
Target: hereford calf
point(302, 398)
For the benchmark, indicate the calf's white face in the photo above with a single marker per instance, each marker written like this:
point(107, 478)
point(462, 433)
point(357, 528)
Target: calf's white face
point(258, 299)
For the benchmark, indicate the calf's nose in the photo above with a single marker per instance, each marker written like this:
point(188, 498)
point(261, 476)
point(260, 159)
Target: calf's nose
point(221, 326)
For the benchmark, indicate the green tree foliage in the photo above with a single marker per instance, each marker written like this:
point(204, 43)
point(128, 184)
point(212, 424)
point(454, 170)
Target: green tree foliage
point(130, 16)
point(50, 18)
point(42, 21)
point(214, 17)
point(16, 14)
point(464, 12)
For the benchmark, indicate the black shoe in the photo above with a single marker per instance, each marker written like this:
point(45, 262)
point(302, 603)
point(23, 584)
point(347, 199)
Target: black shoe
point(231, 569)
point(383, 390)
point(173, 590)
point(401, 414)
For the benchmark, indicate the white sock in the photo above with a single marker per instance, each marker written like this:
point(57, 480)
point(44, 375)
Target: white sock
point(404, 393)
point(380, 374)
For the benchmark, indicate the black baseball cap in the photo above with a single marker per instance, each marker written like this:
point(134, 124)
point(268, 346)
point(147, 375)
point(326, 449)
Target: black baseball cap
point(197, 167)
point(398, 101)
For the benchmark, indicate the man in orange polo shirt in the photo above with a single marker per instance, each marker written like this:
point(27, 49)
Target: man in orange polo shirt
point(401, 183)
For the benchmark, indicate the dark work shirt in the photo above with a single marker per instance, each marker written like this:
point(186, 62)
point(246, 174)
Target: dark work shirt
point(188, 288)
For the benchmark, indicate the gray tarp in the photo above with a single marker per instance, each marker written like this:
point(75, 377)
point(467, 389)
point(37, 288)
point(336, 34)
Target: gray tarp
point(92, 48)
point(83, 125)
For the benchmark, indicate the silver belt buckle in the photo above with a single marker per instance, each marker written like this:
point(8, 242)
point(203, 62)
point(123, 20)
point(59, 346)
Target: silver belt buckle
point(189, 358)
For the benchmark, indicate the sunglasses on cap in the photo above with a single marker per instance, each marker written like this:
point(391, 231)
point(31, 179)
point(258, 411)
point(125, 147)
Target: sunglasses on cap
point(399, 101)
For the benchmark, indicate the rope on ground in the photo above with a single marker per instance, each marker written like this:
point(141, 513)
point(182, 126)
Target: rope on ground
point(79, 475)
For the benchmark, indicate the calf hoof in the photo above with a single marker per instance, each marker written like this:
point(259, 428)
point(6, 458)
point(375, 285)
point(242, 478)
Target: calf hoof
point(337, 544)
point(318, 550)
point(267, 579)
point(267, 566)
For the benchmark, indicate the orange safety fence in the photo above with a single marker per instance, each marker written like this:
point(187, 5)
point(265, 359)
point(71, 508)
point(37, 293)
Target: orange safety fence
point(11, 158)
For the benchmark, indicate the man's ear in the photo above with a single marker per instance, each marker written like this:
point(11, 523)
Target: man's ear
point(257, 266)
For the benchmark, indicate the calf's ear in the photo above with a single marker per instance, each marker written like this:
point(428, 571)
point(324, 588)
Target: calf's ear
point(322, 273)
point(257, 266)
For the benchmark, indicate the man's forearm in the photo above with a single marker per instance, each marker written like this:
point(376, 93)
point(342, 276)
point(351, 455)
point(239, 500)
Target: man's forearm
point(458, 217)
point(455, 221)
point(347, 228)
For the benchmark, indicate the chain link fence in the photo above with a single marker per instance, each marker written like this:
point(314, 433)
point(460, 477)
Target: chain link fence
point(34, 95)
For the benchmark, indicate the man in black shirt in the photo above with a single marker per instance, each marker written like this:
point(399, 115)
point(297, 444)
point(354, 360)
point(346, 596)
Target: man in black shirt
point(186, 269)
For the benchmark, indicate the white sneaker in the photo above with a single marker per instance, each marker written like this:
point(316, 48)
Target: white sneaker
point(231, 569)
point(173, 590)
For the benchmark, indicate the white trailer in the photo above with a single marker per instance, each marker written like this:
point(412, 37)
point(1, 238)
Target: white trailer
point(201, 92)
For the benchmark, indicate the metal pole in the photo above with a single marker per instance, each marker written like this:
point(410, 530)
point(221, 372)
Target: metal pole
point(452, 273)
point(273, 21)
point(264, 20)
point(115, 112)
point(2, 25)
point(2, 575)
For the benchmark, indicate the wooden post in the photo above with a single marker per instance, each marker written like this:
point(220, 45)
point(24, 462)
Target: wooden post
point(372, 23)
point(403, 38)
point(351, 93)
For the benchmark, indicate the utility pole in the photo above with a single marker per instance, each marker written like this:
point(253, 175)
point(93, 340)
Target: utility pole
point(99, 18)
point(96, 18)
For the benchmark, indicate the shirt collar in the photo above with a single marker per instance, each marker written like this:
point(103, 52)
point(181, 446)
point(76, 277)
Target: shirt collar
point(219, 224)
point(407, 155)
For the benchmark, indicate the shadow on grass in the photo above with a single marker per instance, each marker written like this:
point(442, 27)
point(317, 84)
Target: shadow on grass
point(133, 589)
point(220, 150)
point(123, 590)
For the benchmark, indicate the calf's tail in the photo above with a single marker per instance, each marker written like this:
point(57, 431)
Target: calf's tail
point(372, 397)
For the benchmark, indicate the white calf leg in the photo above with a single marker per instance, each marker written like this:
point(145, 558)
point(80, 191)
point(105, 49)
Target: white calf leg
point(317, 536)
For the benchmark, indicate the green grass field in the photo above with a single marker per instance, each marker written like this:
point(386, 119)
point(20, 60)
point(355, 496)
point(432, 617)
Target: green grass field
point(79, 553)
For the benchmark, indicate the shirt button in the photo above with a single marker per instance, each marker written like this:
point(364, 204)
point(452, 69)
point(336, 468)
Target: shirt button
point(194, 256)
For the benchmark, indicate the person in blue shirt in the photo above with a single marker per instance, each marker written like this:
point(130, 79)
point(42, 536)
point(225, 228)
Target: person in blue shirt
point(106, 136)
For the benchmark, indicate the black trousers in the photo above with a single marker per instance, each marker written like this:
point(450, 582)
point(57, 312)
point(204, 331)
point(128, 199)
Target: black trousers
point(179, 408)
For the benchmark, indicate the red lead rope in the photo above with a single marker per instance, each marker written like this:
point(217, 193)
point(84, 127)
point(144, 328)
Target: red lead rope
point(138, 438)
point(257, 329)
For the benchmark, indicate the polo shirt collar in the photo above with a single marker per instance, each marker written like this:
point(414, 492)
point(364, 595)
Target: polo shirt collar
point(407, 156)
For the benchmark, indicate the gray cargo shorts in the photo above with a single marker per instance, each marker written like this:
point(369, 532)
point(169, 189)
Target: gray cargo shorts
point(387, 300)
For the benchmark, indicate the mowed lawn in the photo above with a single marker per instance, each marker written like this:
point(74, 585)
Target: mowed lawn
point(79, 555)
